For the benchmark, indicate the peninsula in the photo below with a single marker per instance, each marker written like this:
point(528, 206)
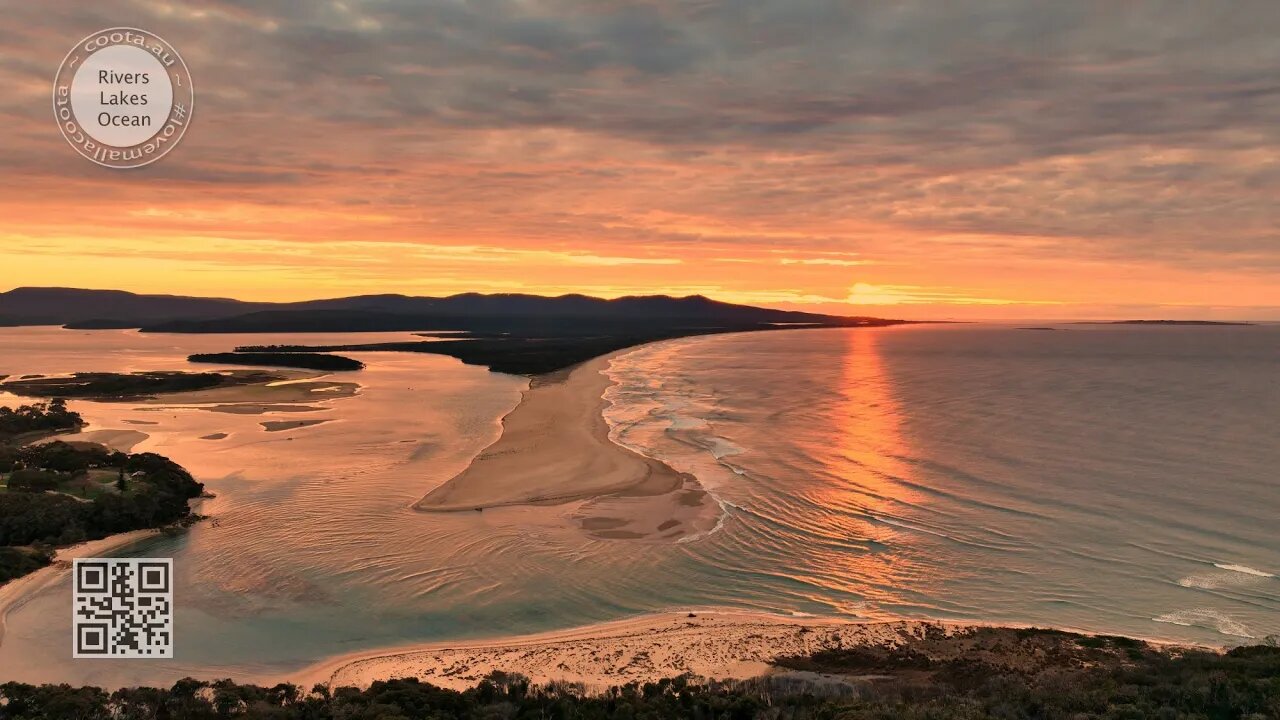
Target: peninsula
point(55, 494)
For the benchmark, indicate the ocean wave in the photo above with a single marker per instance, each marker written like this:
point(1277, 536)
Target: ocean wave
point(1214, 581)
point(722, 448)
point(1243, 569)
point(677, 423)
point(634, 399)
point(1206, 618)
point(1227, 575)
point(720, 521)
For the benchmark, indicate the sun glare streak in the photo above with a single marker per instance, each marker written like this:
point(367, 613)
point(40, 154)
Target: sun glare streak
point(869, 445)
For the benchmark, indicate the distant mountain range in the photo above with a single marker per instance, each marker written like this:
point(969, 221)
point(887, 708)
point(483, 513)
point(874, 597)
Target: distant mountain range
point(499, 314)
point(58, 306)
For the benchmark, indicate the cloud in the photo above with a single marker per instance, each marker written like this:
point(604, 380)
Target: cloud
point(995, 133)
point(868, 294)
point(838, 262)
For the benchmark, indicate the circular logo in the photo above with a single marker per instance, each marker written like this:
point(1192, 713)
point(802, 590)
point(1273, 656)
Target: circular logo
point(123, 97)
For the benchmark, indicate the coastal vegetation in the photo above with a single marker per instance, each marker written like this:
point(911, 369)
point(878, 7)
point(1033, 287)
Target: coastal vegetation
point(32, 421)
point(130, 386)
point(541, 345)
point(58, 493)
point(513, 355)
point(18, 561)
point(529, 350)
point(985, 673)
point(307, 360)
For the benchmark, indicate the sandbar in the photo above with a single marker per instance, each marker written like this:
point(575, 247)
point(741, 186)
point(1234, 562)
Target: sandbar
point(555, 449)
point(262, 397)
point(121, 440)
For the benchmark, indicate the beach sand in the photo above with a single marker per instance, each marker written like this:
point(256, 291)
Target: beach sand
point(555, 449)
point(14, 593)
point(122, 440)
point(716, 644)
point(708, 644)
point(280, 395)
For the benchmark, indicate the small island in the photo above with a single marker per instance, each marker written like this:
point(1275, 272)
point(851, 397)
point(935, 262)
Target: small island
point(29, 423)
point(107, 386)
point(304, 360)
point(56, 493)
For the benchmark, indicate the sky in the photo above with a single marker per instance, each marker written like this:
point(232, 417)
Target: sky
point(992, 159)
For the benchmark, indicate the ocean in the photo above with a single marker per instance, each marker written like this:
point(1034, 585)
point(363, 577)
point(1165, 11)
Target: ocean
point(1114, 479)
point(1118, 479)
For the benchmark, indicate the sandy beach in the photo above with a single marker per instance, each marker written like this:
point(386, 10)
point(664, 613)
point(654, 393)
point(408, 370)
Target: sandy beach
point(14, 593)
point(555, 449)
point(708, 644)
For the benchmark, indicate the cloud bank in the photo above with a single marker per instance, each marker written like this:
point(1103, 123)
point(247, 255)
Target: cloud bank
point(1082, 153)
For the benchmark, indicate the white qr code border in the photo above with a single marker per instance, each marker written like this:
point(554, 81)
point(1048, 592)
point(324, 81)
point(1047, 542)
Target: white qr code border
point(122, 608)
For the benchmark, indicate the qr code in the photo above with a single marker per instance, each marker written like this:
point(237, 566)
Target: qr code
point(123, 608)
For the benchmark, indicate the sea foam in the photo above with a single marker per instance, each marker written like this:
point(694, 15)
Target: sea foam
point(1206, 618)
point(1230, 576)
point(1244, 569)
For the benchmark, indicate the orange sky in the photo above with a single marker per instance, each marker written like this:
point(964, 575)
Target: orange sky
point(916, 163)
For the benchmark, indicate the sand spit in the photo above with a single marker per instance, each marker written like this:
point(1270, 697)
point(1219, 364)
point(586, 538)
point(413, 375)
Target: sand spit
point(555, 449)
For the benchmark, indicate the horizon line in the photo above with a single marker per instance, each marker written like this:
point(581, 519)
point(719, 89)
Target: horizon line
point(941, 317)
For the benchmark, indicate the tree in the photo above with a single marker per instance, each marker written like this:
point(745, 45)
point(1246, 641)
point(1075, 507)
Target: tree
point(32, 480)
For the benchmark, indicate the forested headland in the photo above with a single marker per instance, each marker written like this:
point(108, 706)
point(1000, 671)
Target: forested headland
point(57, 493)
